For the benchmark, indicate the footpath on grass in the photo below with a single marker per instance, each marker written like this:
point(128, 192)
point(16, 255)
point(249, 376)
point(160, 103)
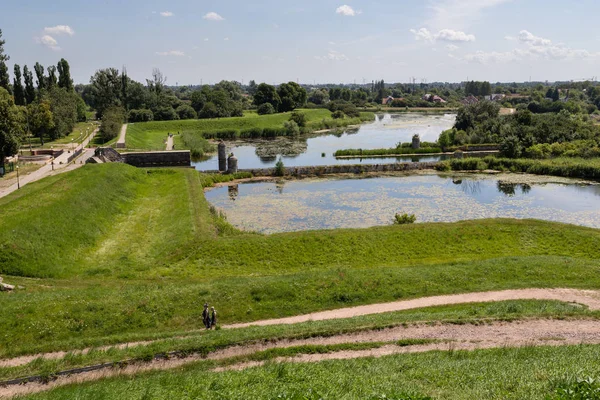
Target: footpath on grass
point(61, 164)
point(589, 298)
point(122, 135)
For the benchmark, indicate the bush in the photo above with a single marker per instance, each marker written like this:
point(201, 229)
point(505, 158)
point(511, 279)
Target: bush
point(142, 115)
point(338, 114)
point(186, 111)
point(291, 128)
point(198, 145)
point(112, 120)
point(404, 219)
point(279, 168)
point(511, 147)
point(299, 118)
point(265, 109)
point(165, 114)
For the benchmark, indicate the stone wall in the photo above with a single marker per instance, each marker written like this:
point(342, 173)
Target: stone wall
point(158, 159)
point(340, 169)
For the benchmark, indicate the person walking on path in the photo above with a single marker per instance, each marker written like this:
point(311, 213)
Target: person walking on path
point(213, 318)
point(206, 317)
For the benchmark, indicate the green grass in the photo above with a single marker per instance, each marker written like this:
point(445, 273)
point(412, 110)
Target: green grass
point(583, 168)
point(203, 342)
point(505, 373)
point(152, 135)
point(110, 253)
point(81, 131)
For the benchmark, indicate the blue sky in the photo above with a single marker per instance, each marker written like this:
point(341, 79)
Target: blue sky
point(310, 41)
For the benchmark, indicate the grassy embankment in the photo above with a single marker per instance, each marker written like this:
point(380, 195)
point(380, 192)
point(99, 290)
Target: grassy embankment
point(152, 135)
point(111, 253)
point(549, 373)
point(203, 342)
point(583, 168)
point(80, 132)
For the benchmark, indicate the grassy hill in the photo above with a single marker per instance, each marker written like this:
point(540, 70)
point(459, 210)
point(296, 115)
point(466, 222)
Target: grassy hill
point(109, 253)
point(151, 135)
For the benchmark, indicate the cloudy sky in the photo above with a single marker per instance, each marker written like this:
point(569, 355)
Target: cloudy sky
point(311, 40)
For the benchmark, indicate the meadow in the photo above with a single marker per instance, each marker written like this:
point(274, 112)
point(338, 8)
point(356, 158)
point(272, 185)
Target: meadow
point(504, 373)
point(152, 135)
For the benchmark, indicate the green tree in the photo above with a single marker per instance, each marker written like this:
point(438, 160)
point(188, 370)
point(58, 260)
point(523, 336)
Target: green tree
point(318, 97)
point(4, 78)
point(185, 111)
point(29, 88)
point(3, 57)
point(267, 94)
point(64, 109)
point(299, 118)
point(252, 87)
point(39, 73)
point(11, 127)
point(112, 120)
point(64, 75)
point(41, 119)
point(18, 90)
point(200, 97)
point(292, 96)
point(105, 90)
point(51, 80)
point(265, 109)
point(556, 95)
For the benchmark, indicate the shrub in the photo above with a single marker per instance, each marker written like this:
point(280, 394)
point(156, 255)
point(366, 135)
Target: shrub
point(112, 120)
point(291, 128)
point(404, 219)
point(142, 115)
point(186, 111)
point(266, 108)
point(165, 114)
point(299, 118)
point(338, 114)
point(198, 145)
point(279, 168)
point(511, 147)
point(580, 389)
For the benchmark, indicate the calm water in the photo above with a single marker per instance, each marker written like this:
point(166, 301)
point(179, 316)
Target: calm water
point(355, 203)
point(385, 132)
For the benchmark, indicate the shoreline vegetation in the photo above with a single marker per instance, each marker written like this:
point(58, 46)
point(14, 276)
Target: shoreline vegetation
point(152, 135)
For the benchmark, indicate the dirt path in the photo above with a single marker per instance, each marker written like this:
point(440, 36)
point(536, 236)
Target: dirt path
point(170, 143)
point(587, 297)
point(453, 337)
point(122, 135)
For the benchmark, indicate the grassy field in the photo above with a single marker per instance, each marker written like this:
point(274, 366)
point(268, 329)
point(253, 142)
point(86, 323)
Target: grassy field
point(111, 253)
point(523, 373)
point(152, 135)
point(79, 134)
point(203, 342)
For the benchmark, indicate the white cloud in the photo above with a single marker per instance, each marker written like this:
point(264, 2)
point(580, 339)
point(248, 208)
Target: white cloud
point(59, 30)
point(459, 14)
point(333, 55)
point(530, 38)
point(206, 39)
point(166, 14)
point(176, 53)
point(331, 43)
point(451, 47)
point(213, 16)
point(48, 41)
point(447, 35)
point(347, 11)
point(226, 39)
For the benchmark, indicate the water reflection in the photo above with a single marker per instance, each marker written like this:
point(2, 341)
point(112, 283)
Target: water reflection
point(352, 203)
point(385, 132)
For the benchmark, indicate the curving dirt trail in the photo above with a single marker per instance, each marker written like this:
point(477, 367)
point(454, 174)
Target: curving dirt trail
point(590, 298)
point(452, 337)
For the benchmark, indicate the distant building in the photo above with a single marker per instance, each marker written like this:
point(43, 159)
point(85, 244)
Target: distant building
point(389, 100)
point(432, 98)
point(495, 97)
point(470, 100)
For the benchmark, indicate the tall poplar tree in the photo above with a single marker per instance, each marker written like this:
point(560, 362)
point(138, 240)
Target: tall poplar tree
point(64, 75)
point(18, 90)
point(29, 88)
